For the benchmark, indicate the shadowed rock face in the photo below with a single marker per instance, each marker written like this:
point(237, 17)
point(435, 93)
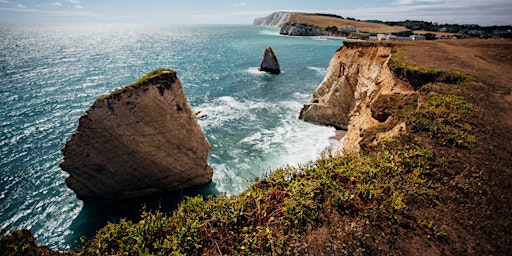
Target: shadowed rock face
point(269, 62)
point(136, 141)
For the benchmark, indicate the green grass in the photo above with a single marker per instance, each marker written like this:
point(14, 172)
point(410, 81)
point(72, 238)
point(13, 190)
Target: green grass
point(140, 82)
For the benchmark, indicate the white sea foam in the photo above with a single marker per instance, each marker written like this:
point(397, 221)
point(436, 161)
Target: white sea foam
point(255, 71)
point(270, 32)
point(320, 70)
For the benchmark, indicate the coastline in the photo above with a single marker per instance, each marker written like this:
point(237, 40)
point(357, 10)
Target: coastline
point(334, 142)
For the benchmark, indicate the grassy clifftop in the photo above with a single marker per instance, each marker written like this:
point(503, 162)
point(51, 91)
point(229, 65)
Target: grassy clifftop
point(328, 21)
point(442, 187)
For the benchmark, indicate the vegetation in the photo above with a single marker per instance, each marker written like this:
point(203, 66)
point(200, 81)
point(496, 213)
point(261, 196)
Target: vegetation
point(140, 82)
point(22, 242)
point(323, 207)
point(418, 76)
point(423, 192)
point(468, 30)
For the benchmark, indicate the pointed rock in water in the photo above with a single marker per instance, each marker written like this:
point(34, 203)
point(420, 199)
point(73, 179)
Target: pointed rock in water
point(269, 62)
point(139, 140)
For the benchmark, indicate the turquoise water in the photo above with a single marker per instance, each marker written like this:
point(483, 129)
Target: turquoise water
point(51, 74)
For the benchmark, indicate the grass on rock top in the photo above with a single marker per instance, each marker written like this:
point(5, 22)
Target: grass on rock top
point(144, 80)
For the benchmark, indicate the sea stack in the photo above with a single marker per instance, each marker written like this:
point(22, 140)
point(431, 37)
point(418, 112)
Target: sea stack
point(138, 140)
point(269, 63)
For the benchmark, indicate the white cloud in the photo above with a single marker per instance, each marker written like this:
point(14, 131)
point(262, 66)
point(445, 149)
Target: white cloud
point(407, 2)
point(56, 4)
point(242, 4)
point(21, 6)
point(79, 6)
point(4, 1)
point(74, 1)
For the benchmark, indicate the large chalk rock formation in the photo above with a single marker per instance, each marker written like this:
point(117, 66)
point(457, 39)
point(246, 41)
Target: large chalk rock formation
point(356, 93)
point(139, 140)
point(269, 62)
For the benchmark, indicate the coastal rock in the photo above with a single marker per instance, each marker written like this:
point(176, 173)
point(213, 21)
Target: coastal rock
point(357, 76)
point(274, 20)
point(300, 29)
point(269, 62)
point(139, 140)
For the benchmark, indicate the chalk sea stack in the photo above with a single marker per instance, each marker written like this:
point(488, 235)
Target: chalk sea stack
point(138, 140)
point(269, 62)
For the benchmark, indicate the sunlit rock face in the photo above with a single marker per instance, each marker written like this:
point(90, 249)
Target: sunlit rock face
point(139, 140)
point(275, 20)
point(350, 97)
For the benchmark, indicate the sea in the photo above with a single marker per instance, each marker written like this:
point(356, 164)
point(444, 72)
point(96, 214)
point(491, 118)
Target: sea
point(51, 74)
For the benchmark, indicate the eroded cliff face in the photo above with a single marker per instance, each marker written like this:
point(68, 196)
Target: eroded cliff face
point(139, 140)
point(358, 92)
point(275, 20)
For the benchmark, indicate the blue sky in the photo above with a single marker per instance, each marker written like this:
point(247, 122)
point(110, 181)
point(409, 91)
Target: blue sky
point(483, 12)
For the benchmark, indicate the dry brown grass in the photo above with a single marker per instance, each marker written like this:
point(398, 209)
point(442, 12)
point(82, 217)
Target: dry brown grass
point(481, 195)
point(490, 61)
point(438, 34)
point(324, 21)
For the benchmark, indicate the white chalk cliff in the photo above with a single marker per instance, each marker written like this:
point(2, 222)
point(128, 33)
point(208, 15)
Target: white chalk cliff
point(275, 20)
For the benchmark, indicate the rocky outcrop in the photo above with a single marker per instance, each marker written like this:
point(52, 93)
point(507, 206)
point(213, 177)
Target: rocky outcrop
point(357, 79)
point(274, 20)
point(139, 140)
point(269, 62)
point(300, 29)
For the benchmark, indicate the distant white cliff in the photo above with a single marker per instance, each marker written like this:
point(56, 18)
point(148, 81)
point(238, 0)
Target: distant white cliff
point(275, 20)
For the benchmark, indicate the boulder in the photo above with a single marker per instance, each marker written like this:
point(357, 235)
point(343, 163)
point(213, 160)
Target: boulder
point(269, 62)
point(138, 140)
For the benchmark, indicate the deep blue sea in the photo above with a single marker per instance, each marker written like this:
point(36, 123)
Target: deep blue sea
point(50, 74)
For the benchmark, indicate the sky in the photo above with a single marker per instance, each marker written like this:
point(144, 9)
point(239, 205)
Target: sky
point(482, 12)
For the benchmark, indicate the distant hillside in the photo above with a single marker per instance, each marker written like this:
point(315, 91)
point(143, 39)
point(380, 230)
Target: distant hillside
point(323, 20)
point(278, 19)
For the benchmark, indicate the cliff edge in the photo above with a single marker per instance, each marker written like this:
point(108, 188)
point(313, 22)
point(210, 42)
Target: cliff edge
point(139, 140)
point(358, 79)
